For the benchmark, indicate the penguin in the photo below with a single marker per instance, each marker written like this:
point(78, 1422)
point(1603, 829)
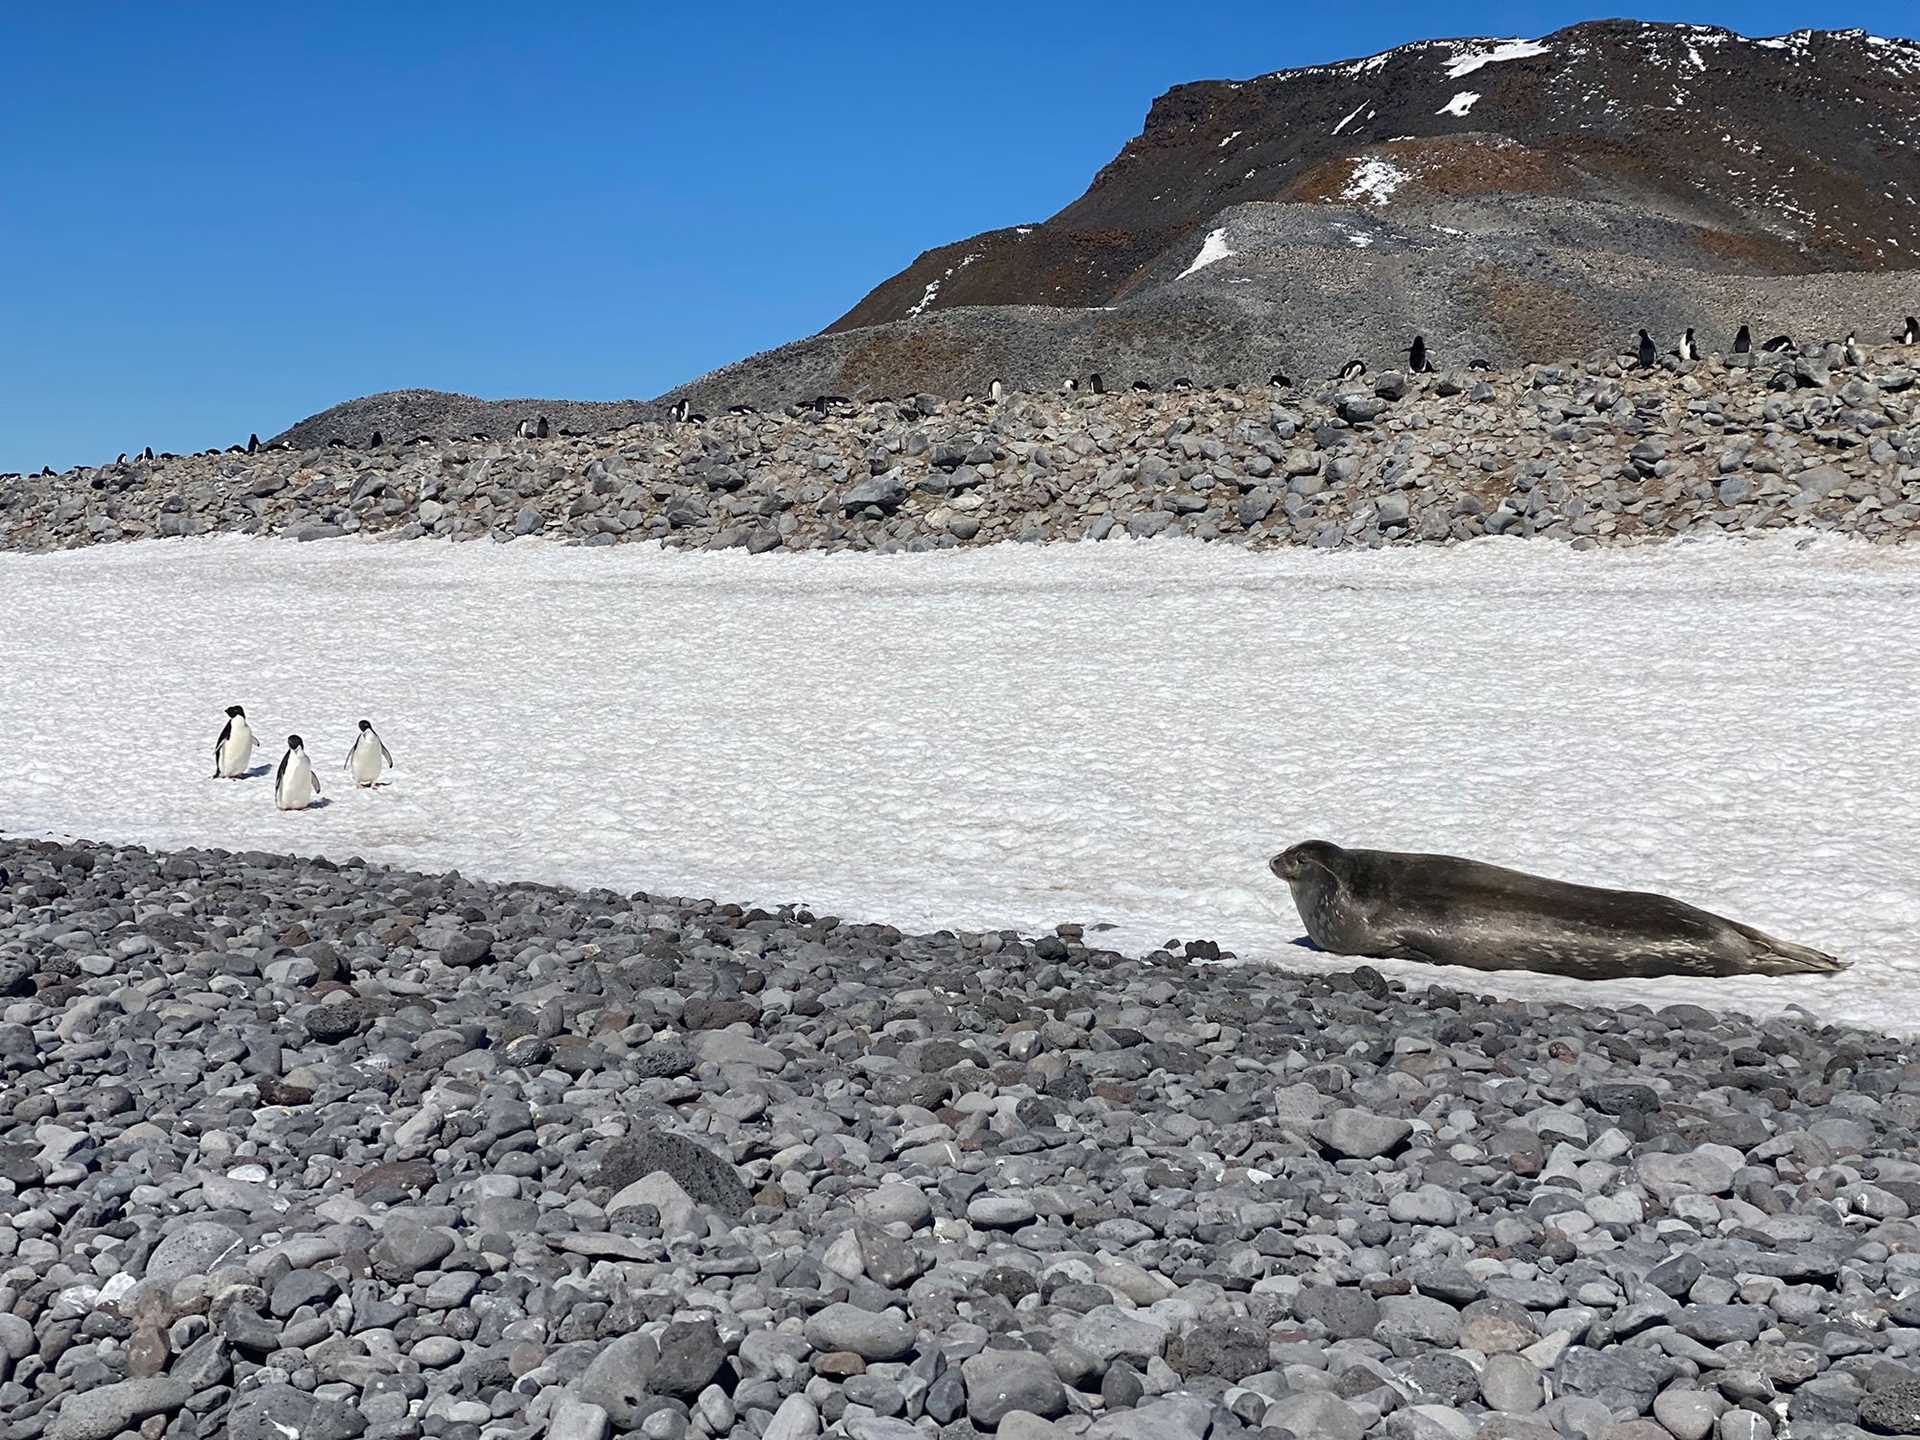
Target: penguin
point(122, 458)
point(337, 444)
point(294, 783)
point(1353, 370)
point(1911, 334)
point(1649, 353)
point(731, 410)
point(997, 391)
point(1279, 381)
point(1743, 341)
point(967, 398)
point(253, 444)
point(1071, 386)
point(681, 410)
point(1779, 344)
point(1687, 350)
point(234, 748)
point(1855, 355)
point(524, 430)
point(374, 443)
point(368, 755)
point(1478, 364)
point(147, 454)
point(1096, 384)
point(1417, 362)
point(1181, 383)
point(540, 428)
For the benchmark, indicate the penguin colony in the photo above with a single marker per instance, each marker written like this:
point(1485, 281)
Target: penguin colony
point(295, 786)
point(1642, 354)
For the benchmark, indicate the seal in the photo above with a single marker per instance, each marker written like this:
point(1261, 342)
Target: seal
point(1390, 905)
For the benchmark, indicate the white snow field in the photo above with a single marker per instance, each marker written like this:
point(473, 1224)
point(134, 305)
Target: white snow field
point(1119, 733)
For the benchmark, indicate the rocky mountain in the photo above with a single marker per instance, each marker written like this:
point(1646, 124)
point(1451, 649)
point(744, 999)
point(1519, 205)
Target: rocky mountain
point(1517, 200)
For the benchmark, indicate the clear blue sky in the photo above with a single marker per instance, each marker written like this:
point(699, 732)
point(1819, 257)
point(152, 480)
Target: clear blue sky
point(220, 218)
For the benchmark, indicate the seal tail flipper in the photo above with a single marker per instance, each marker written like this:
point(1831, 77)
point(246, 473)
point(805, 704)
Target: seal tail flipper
point(1783, 957)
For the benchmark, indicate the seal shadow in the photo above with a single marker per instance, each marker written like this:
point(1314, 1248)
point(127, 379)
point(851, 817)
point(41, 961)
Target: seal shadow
point(1305, 942)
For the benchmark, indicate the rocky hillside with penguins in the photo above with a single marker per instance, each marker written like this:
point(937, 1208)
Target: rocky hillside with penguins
point(1517, 200)
point(1596, 451)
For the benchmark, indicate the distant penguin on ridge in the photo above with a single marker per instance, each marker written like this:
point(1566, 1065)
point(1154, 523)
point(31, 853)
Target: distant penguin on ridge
point(540, 428)
point(375, 442)
point(1143, 385)
point(1417, 362)
point(1778, 344)
point(147, 454)
point(1353, 370)
point(1071, 386)
point(294, 783)
point(1649, 353)
point(1687, 350)
point(681, 410)
point(1478, 364)
point(368, 754)
point(253, 444)
point(1096, 384)
point(1279, 381)
point(1181, 383)
point(234, 748)
point(1910, 335)
point(997, 391)
point(1743, 341)
point(524, 430)
point(1851, 347)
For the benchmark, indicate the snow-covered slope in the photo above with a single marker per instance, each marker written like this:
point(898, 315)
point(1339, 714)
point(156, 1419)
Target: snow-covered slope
point(1109, 733)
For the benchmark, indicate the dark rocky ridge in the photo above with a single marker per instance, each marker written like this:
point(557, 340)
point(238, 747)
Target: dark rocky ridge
point(1792, 155)
point(1629, 174)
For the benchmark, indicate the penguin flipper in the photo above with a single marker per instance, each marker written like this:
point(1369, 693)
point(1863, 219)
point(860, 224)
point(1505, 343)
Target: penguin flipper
point(386, 754)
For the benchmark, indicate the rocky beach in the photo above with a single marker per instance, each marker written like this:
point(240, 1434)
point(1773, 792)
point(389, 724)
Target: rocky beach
point(296, 1148)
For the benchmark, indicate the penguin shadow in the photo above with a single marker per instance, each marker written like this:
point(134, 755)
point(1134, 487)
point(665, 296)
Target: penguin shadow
point(254, 774)
point(319, 802)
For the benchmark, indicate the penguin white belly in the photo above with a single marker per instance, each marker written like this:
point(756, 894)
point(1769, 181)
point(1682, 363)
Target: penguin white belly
point(366, 760)
point(296, 786)
point(236, 752)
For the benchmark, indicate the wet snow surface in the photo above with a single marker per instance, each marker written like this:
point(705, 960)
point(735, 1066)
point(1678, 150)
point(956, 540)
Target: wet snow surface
point(1118, 733)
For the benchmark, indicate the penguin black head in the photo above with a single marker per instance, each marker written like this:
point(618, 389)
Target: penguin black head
point(294, 742)
point(366, 724)
point(237, 712)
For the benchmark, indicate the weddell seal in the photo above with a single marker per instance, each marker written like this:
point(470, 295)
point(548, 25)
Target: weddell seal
point(1388, 905)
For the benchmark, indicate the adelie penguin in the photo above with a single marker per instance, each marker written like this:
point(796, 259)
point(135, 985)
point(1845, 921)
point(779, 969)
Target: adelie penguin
point(997, 391)
point(1910, 333)
point(1417, 361)
point(1353, 370)
point(1779, 344)
point(681, 410)
point(294, 784)
point(1743, 341)
point(1096, 384)
point(1686, 349)
point(234, 748)
point(253, 444)
point(1649, 353)
point(1851, 349)
point(1279, 381)
point(1144, 386)
point(368, 756)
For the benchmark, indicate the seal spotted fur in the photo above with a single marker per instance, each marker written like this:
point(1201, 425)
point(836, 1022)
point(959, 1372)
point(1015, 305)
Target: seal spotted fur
point(1391, 905)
